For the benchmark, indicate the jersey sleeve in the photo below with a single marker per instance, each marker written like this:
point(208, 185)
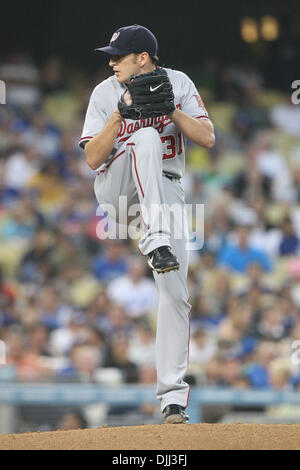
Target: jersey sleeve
point(95, 118)
point(191, 102)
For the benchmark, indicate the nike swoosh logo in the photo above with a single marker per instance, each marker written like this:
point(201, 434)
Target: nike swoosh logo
point(155, 88)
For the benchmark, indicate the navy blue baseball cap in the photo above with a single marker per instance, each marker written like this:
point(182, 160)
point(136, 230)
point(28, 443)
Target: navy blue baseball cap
point(134, 38)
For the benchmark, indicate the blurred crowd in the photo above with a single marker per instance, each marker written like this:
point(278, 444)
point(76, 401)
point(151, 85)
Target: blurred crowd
point(76, 308)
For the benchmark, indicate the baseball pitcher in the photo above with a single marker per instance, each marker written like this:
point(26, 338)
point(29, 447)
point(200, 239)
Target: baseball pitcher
point(134, 135)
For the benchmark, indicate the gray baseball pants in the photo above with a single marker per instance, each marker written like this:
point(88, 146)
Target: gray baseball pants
point(136, 172)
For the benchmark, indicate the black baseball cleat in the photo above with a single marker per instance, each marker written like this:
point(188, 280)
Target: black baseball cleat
point(162, 260)
point(175, 414)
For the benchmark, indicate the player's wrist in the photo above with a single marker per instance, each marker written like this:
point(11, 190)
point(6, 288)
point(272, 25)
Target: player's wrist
point(117, 116)
point(172, 114)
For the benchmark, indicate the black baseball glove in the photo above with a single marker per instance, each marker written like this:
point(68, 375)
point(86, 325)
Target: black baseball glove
point(151, 94)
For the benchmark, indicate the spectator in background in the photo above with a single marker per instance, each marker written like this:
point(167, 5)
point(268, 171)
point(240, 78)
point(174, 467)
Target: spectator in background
point(280, 372)
point(7, 310)
point(74, 212)
point(290, 243)
point(52, 79)
point(142, 343)
point(246, 75)
point(68, 159)
point(7, 291)
point(112, 263)
point(136, 292)
point(115, 321)
point(239, 326)
point(118, 356)
point(204, 313)
point(285, 117)
point(43, 135)
point(26, 357)
point(271, 164)
point(231, 372)
point(48, 187)
point(195, 191)
point(20, 222)
point(22, 80)
point(257, 369)
point(250, 182)
point(79, 287)
point(202, 347)
point(255, 278)
point(85, 360)
point(237, 78)
point(97, 310)
point(271, 324)
point(214, 237)
point(54, 313)
point(34, 266)
point(295, 174)
point(29, 313)
point(65, 253)
point(38, 336)
point(263, 236)
point(238, 257)
point(250, 116)
point(20, 168)
point(7, 195)
point(212, 371)
point(64, 338)
point(294, 281)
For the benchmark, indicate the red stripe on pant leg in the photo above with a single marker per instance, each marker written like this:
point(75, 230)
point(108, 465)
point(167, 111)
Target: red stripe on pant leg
point(115, 158)
point(144, 221)
point(137, 174)
point(107, 166)
point(189, 350)
point(187, 401)
point(189, 334)
point(139, 183)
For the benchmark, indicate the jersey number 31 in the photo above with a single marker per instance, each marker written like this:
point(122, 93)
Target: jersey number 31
point(171, 147)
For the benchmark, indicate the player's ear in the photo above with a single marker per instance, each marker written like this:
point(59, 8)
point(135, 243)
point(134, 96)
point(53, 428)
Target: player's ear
point(143, 58)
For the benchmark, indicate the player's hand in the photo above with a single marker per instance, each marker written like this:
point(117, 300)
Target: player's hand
point(118, 115)
point(127, 98)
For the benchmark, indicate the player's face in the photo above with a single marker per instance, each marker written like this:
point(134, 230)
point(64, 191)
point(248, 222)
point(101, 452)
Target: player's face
point(124, 66)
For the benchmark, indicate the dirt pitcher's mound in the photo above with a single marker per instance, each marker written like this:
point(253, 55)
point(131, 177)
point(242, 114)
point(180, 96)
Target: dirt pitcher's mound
point(162, 437)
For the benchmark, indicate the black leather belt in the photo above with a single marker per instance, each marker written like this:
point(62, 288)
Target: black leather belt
point(171, 176)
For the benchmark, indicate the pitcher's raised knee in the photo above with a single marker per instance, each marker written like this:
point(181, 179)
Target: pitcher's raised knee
point(147, 135)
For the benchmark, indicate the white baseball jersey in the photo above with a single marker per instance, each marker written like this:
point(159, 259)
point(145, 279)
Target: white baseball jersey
point(104, 101)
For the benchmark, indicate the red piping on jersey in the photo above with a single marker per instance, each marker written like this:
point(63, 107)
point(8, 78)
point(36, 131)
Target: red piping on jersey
point(107, 166)
point(198, 117)
point(137, 174)
point(86, 138)
point(124, 139)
